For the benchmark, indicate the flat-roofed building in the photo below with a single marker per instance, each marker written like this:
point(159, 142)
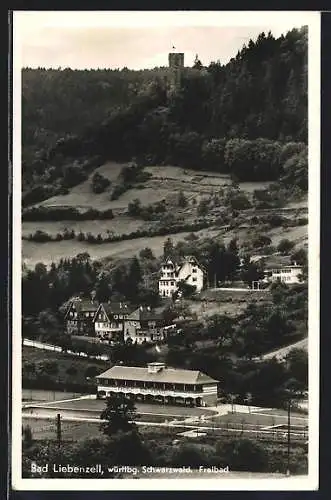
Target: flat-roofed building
point(158, 383)
point(286, 274)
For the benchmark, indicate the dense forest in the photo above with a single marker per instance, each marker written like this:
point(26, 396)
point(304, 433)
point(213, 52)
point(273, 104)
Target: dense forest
point(247, 118)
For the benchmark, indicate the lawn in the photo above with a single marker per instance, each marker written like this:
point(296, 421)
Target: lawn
point(36, 395)
point(82, 194)
point(167, 410)
point(72, 431)
point(164, 181)
point(64, 361)
point(256, 420)
point(49, 252)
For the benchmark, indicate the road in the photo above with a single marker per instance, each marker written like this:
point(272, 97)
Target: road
point(283, 351)
point(50, 347)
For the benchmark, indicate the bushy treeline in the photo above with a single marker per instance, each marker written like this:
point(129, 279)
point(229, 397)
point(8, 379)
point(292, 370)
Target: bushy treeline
point(60, 213)
point(80, 276)
point(156, 448)
point(163, 229)
point(236, 117)
point(44, 177)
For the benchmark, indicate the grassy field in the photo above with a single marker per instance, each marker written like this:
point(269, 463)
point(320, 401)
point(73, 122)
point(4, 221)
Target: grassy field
point(165, 179)
point(272, 423)
point(41, 396)
point(82, 194)
point(167, 410)
point(64, 361)
point(53, 251)
point(73, 431)
point(206, 309)
point(257, 420)
point(48, 252)
point(165, 183)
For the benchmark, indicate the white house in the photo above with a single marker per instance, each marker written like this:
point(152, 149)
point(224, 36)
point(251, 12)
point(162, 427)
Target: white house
point(286, 274)
point(158, 383)
point(173, 271)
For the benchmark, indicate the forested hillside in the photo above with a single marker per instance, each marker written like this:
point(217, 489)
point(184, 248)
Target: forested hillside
point(247, 118)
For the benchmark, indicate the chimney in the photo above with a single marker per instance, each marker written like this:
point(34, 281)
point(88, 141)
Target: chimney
point(148, 308)
point(155, 367)
point(141, 308)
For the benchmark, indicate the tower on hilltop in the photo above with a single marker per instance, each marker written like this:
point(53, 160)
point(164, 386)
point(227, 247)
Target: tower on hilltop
point(176, 66)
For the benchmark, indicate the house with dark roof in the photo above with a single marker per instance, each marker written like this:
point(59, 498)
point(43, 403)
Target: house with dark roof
point(79, 317)
point(109, 320)
point(148, 325)
point(186, 269)
point(158, 383)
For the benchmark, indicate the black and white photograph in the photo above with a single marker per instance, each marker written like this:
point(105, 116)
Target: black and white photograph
point(165, 261)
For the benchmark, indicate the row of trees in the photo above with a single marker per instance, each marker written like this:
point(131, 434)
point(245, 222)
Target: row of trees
point(82, 276)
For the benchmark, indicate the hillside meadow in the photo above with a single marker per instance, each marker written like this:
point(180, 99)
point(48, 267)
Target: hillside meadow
point(163, 183)
point(49, 252)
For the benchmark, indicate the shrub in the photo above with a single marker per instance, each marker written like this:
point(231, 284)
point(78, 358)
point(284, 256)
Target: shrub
point(239, 202)
point(285, 246)
point(182, 201)
point(203, 207)
point(118, 190)
point(261, 241)
point(244, 455)
point(99, 183)
point(134, 207)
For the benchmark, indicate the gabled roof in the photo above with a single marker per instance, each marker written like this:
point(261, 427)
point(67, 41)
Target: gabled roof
point(166, 375)
point(83, 305)
point(179, 261)
point(117, 307)
point(86, 305)
point(146, 314)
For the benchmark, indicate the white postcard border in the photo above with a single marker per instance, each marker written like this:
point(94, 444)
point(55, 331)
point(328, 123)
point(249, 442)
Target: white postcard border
point(135, 19)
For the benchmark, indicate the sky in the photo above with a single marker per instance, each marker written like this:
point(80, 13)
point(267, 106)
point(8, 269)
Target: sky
point(137, 40)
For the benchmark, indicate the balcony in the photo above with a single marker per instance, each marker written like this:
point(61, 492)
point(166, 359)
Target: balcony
point(151, 392)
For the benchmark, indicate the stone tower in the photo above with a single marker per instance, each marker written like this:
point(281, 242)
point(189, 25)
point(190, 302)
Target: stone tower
point(176, 66)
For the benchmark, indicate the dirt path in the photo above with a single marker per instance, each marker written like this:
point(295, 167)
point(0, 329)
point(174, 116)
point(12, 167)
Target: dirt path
point(281, 353)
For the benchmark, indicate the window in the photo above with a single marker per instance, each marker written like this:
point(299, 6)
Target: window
point(172, 283)
point(194, 270)
point(194, 279)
